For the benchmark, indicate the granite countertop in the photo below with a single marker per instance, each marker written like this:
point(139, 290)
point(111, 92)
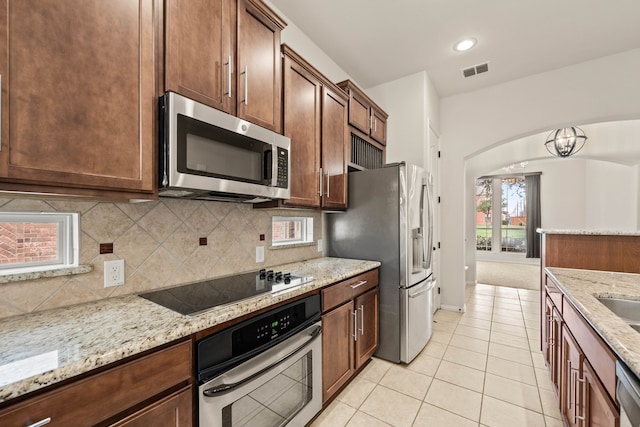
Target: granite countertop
point(43, 348)
point(589, 232)
point(583, 286)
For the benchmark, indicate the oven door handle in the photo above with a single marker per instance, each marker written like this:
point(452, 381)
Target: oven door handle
point(210, 392)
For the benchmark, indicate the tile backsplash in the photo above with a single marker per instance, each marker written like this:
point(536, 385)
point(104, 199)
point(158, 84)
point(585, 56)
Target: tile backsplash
point(159, 242)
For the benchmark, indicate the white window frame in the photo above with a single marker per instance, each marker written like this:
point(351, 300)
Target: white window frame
point(68, 240)
point(306, 225)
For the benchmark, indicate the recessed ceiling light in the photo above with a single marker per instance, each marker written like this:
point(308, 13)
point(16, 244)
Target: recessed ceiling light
point(465, 44)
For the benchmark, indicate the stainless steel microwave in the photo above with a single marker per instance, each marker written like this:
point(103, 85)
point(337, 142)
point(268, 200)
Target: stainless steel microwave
point(208, 154)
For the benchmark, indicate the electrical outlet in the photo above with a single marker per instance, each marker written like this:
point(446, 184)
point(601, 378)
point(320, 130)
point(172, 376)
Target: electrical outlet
point(259, 253)
point(113, 273)
point(319, 245)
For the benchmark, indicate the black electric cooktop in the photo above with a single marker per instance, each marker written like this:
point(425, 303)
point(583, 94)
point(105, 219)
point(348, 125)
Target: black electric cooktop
point(197, 297)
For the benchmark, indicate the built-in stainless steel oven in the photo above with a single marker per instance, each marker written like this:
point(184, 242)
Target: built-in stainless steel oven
point(265, 371)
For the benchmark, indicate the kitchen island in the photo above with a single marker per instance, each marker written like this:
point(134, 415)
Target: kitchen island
point(583, 342)
point(45, 348)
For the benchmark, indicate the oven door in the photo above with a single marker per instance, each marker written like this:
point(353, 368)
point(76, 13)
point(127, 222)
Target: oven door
point(281, 386)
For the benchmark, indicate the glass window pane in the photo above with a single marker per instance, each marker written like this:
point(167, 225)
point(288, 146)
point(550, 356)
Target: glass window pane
point(483, 214)
point(513, 220)
point(38, 241)
point(24, 243)
point(291, 230)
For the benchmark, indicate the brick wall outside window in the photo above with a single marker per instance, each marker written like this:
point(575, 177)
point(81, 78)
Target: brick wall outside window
point(28, 242)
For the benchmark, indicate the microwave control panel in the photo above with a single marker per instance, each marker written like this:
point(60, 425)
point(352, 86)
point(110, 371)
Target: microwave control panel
point(283, 168)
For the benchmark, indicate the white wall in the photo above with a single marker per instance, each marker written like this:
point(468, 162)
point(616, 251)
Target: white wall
point(609, 201)
point(412, 104)
point(600, 90)
point(305, 47)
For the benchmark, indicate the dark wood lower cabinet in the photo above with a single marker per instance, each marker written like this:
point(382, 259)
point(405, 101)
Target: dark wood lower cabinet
point(144, 386)
point(366, 308)
point(174, 410)
point(349, 329)
point(337, 349)
point(580, 364)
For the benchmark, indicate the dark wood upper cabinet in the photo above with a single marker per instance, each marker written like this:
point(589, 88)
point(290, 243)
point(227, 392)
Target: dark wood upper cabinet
point(259, 90)
point(200, 41)
point(79, 96)
point(226, 54)
point(364, 114)
point(302, 124)
point(335, 139)
point(315, 118)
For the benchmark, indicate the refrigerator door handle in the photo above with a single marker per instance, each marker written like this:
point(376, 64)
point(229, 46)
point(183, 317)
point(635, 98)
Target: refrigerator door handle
point(426, 250)
point(429, 251)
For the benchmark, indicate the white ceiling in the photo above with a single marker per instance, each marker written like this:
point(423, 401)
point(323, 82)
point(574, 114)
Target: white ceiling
point(377, 41)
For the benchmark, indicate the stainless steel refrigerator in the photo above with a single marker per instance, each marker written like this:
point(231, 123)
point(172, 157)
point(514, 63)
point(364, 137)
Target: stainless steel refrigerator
point(389, 219)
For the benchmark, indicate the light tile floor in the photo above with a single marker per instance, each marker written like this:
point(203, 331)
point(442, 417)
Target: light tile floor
point(480, 368)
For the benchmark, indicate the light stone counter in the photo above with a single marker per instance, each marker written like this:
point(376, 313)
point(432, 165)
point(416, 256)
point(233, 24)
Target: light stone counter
point(583, 286)
point(43, 348)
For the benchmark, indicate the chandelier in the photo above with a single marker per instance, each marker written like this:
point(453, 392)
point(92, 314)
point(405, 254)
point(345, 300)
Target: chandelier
point(565, 142)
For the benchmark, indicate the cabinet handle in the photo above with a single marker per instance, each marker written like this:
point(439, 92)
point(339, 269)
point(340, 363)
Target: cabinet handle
point(245, 101)
point(355, 325)
point(370, 122)
point(360, 283)
point(361, 319)
point(577, 417)
point(375, 124)
point(570, 378)
point(228, 64)
point(321, 176)
point(327, 184)
point(40, 423)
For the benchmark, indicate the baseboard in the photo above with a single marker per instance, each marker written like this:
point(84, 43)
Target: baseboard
point(453, 308)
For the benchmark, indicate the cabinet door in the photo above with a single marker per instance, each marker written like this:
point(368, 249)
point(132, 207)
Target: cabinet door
point(199, 59)
point(596, 406)
point(302, 106)
point(359, 115)
point(79, 93)
point(335, 136)
point(555, 350)
point(337, 348)
point(258, 68)
point(378, 126)
point(571, 372)
point(546, 332)
point(366, 307)
point(174, 410)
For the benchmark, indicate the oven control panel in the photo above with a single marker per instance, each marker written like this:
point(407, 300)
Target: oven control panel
point(230, 347)
point(266, 329)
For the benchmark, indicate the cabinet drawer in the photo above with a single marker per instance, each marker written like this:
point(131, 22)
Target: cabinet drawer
point(98, 397)
point(334, 295)
point(553, 293)
point(595, 350)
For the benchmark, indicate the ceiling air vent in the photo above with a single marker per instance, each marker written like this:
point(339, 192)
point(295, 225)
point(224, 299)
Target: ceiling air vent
point(477, 69)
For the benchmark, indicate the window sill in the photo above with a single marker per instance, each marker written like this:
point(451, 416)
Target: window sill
point(292, 245)
point(32, 275)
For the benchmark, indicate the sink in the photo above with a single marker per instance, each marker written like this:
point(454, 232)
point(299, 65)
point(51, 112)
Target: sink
point(628, 310)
